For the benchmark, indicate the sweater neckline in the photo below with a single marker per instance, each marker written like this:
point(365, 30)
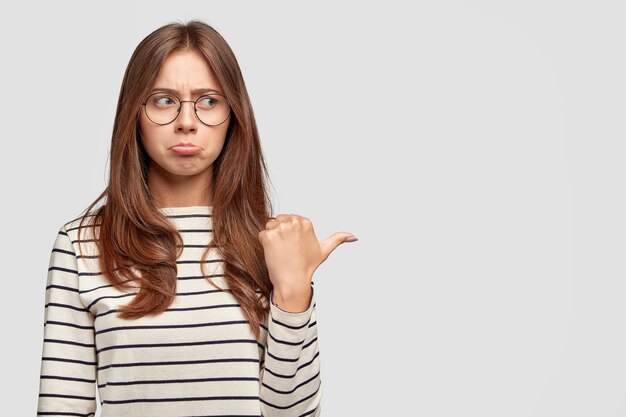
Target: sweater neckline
point(186, 210)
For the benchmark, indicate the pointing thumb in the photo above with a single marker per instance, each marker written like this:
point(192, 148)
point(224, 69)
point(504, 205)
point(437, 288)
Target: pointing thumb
point(336, 239)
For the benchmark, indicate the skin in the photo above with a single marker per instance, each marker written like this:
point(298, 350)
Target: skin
point(292, 254)
point(183, 180)
point(292, 251)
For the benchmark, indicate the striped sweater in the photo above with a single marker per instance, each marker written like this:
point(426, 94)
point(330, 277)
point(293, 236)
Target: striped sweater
point(198, 358)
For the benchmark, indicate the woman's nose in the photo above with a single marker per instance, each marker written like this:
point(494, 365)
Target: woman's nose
point(186, 118)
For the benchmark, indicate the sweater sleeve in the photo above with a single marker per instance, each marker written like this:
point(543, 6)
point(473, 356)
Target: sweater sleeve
point(290, 374)
point(68, 364)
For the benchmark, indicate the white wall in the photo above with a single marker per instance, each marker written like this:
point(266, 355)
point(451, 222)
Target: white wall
point(475, 149)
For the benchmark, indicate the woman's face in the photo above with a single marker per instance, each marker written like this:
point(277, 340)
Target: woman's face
point(183, 71)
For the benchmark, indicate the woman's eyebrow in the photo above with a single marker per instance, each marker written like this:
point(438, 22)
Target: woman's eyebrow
point(195, 91)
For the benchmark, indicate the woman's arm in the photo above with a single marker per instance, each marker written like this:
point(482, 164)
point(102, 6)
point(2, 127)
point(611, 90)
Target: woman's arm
point(68, 364)
point(290, 373)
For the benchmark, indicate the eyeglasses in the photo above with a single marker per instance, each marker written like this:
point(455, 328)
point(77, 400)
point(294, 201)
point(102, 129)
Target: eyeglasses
point(163, 108)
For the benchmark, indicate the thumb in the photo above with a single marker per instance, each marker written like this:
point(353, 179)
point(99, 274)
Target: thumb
point(330, 244)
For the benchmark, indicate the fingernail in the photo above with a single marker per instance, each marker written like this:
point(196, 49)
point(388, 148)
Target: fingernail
point(351, 239)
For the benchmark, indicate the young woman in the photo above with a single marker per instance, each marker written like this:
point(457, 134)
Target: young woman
point(181, 295)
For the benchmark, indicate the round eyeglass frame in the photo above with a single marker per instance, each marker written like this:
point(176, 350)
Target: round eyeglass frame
point(180, 106)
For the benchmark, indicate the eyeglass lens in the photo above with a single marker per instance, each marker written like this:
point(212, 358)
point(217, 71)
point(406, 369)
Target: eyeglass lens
point(163, 108)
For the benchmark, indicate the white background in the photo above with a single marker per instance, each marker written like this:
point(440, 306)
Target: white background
point(476, 149)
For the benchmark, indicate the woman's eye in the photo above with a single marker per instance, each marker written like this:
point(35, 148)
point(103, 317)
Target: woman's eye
point(164, 101)
point(207, 102)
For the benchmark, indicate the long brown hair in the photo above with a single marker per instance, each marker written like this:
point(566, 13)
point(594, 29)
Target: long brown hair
point(135, 236)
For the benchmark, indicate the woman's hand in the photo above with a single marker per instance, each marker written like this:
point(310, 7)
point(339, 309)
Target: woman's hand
point(292, 254)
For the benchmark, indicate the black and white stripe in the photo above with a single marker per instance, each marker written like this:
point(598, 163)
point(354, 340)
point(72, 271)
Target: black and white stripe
point(197, 358)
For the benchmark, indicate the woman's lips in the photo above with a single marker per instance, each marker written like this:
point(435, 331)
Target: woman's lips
point(185, 149)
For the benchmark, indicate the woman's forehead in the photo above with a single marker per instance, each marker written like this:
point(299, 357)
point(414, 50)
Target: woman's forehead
point(186, 70)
